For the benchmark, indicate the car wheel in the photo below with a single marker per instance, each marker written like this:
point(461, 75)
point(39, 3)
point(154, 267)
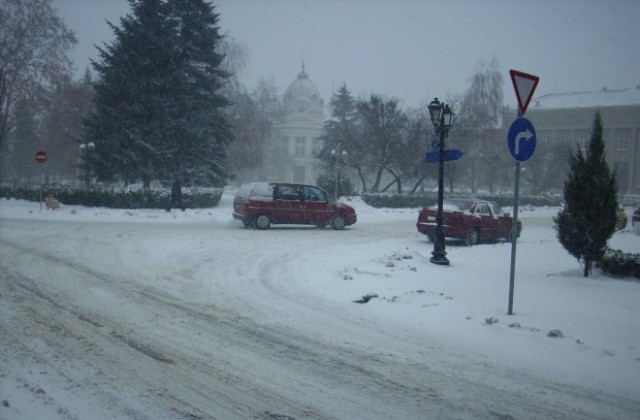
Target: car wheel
point(337, 222)
point(263, 222)
point(472, 238)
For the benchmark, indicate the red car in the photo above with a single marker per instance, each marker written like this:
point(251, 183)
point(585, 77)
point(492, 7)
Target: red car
point(261, 204)
point(471, 220)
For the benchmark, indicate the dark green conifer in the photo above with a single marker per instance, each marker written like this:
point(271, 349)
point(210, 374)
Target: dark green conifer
point(588, 219)
point(159, 107)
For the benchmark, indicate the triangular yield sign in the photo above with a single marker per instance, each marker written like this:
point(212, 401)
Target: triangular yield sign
point(524, 85)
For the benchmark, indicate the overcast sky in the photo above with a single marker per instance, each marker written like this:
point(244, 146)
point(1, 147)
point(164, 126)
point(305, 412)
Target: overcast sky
point(411, 49)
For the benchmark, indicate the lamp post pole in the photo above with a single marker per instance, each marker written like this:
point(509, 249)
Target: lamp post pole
point(85, 149)
point(441, 117)
point(338, 154)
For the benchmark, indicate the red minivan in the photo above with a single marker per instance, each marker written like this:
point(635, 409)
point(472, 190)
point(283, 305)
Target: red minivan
point(261, 204)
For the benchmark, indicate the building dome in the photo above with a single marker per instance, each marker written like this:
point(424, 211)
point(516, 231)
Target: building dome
point(301, 88)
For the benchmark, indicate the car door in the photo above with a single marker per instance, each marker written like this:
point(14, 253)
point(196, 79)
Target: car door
point(484, 219)
point(288, 204)
point(502, 222)
point(316, 205)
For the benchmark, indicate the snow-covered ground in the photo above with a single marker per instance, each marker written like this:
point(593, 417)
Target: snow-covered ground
point(155, 315)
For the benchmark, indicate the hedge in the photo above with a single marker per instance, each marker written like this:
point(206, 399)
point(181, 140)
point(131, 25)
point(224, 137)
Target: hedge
point(618, 263)
point(98, 197)
point(379, 200)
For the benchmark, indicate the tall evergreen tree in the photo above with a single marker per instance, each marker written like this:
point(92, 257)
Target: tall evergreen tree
point(340, 132)
point(159, 110)
point(589, 217)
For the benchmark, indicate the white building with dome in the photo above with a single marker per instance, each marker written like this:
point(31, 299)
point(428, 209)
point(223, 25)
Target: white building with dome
point(298, 135)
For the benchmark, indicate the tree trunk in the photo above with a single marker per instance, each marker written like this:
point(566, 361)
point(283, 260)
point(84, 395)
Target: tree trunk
point(418, 184)
point(176, 195)
point(361, 176)
point(376, 185)
point(587, 267)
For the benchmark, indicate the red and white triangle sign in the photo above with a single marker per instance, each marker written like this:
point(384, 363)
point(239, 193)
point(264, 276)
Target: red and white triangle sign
point(524, 85)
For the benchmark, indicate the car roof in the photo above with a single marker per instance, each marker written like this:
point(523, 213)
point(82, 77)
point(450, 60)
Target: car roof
point(279, 183)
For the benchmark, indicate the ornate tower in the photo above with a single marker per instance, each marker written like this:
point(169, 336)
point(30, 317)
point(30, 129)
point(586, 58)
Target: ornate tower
point(298, 137)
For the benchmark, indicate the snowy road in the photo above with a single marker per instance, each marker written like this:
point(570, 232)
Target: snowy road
point(209, 320)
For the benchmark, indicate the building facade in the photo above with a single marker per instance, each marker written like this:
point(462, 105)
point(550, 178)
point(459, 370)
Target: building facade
point(568, 118)
point(298, 135)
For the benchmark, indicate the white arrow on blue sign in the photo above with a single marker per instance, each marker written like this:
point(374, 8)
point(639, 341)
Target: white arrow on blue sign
point(521, 139)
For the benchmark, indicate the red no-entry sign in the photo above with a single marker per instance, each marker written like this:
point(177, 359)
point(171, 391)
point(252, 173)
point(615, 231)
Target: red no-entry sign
point(41, 156)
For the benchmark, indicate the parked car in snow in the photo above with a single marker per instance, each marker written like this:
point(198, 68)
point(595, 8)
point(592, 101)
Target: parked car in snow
point(261, 204)
point(471, 220)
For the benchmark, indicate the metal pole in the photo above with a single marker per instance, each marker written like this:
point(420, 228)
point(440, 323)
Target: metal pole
point(514, 233)
point(439, 253)
point(514, 237)
point(337, 179)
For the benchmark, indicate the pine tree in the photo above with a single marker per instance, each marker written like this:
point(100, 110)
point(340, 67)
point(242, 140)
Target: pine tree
point(340, 132)
point(159, 110)
point(589, 217)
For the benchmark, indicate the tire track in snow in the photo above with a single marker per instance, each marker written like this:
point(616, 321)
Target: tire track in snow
point(234, 362)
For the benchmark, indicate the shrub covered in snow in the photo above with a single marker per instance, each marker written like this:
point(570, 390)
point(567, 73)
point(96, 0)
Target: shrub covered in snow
point(621, 264)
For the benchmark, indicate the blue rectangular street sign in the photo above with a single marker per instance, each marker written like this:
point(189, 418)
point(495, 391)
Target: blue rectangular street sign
point(453, 154)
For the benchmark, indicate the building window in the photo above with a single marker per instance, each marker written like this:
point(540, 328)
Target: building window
point(316, 147)
point(300, 149)
point(624, 143)
point(582, 136)
point(285, 145)
point(563, 136)
point(623, 139)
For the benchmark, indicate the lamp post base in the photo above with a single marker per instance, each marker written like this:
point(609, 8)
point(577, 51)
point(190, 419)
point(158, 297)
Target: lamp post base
point(439, 258)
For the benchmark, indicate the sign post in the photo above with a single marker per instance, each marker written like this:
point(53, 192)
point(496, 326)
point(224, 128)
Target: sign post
point(521, 142)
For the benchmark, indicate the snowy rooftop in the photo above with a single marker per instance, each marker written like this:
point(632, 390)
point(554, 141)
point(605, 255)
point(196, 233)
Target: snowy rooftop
point(601, 98)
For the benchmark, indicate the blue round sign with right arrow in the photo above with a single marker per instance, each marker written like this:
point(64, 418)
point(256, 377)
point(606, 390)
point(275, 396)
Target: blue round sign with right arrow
point(521, 139)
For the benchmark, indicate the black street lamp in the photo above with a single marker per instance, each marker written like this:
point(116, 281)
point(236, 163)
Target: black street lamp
point(338, 154)
point(441, 117)
point(85, 150)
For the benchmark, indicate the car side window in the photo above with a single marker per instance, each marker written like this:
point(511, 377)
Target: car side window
point(497, 210)
point(314, 194)
point(288, 192)
point(482, 210)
